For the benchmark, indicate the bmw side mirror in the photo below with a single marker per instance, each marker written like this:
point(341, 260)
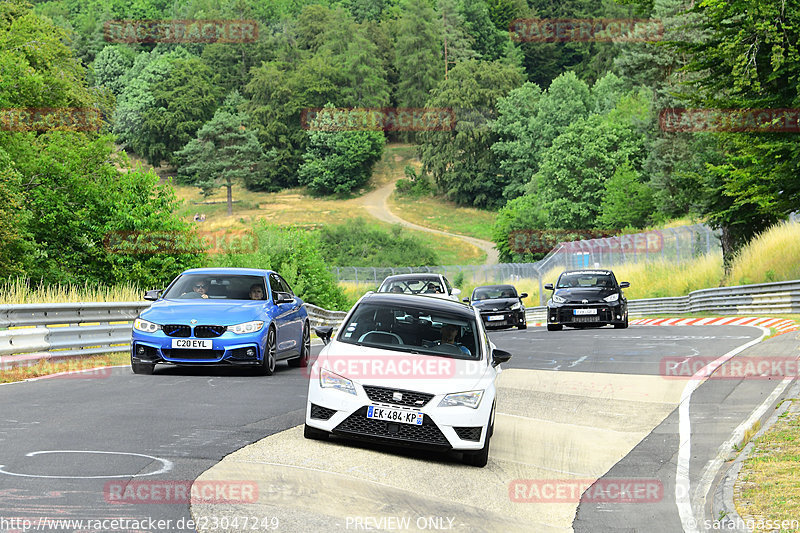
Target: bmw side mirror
point(152, 295)
point(466, 300)
point(624, 285)
point(324, 333)
point(523, 295)
point(283, 297)
point(455, 292)
point(500, 356)
point(548, 286)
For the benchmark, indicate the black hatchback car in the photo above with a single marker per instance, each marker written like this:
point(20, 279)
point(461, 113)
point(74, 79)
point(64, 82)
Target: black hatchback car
point(587, 298)
point(499, 305)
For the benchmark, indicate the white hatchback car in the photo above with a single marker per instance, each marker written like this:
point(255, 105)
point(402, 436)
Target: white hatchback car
point(410, 371)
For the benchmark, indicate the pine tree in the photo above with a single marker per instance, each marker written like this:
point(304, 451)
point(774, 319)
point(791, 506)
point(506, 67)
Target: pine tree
point(225, 152)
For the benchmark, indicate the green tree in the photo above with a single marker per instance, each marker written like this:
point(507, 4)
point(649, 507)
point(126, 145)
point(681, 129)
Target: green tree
point(518, 217)
point(110, 66)
point(528, 121)
point(627, 202)
point(460, 159)
point(181, 104)
point(225, 152)
point(574, 170)
point(489, 42)
point(338, 162)
point(150, 69)
point(365, 79)
point(417, 60)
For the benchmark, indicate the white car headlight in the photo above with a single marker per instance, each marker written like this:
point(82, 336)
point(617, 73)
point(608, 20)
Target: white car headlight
point(144, 325)
point(558, 299)
point(516, 306)
point(462, 399)
point(329, 380)
point(246, 327)
point(612, 298)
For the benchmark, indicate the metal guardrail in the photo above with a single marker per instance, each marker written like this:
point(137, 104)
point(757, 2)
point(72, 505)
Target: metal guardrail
point(53, 331)
point(64, 330)
point(777, 297)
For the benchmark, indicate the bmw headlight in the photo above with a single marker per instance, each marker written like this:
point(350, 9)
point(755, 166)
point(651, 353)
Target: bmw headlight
point(329, 380)
point(144, 325)
point(462, 399)
point(612, 298)
point(558, 299)
point(247, 327)
point(516, 306)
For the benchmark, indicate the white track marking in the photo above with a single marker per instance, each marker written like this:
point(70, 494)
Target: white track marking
point(682, 484)
point(167, 465)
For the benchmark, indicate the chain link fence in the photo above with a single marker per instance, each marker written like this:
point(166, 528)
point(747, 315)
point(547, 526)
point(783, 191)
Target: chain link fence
point(672, 244)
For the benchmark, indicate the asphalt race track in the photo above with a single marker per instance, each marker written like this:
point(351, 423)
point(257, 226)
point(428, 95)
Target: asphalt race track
point(576, 409)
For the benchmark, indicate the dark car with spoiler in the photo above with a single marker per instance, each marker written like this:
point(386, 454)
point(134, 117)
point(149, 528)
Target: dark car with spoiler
point(500, 306)
point(587, 298)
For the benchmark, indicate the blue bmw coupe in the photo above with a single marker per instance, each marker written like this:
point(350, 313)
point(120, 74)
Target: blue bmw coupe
point(222, 316)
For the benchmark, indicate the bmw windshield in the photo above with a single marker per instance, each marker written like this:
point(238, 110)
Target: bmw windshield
point(216, 287)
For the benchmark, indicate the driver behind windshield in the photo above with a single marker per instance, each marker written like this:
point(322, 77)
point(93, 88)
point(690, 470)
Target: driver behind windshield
point(200, 287)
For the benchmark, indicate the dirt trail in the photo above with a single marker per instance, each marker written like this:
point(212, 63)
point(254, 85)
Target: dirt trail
point(376, 205)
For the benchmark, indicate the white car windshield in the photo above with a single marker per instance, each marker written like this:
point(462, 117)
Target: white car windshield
point(413, 329)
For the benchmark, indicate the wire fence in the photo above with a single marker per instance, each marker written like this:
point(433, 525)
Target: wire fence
point(672, 244)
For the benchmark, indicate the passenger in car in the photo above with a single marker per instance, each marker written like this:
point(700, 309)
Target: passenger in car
point(256, 292)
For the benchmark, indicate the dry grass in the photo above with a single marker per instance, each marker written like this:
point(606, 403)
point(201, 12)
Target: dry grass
point(18, 291)
point(45, 368)
point(444, 215)
point(772, 256)
point(769, 481)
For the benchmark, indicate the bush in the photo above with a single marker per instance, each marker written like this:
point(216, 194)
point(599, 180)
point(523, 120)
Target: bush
point(295, 255)
point(355, 243)
point(414, 185)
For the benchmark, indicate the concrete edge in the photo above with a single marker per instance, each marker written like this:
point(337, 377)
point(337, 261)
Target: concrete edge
point(723, 507)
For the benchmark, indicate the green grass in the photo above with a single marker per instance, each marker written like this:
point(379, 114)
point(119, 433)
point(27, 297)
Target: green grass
point(769, 481)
